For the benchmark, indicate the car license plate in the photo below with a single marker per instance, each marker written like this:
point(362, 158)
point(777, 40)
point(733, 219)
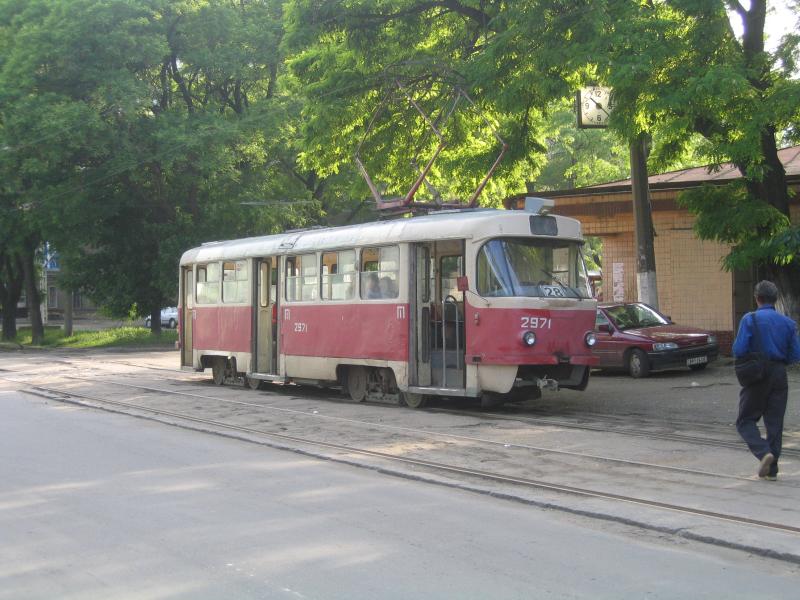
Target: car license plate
point(696, 360)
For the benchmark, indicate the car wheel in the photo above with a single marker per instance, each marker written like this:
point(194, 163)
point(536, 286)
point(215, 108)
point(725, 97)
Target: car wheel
point(638, 365)
point(698, 367)
point(147, 322)
point(172, 324)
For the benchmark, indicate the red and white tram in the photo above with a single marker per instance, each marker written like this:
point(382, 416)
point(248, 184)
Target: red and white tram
point(482, 303)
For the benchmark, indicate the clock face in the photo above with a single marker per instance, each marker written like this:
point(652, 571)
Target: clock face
point(594, 105)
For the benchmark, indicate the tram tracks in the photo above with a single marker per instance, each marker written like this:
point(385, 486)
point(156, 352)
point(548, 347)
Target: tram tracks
point(610, 427)
point(426, 434)
point(594, 497)
point(86, 400)
point(605, 424)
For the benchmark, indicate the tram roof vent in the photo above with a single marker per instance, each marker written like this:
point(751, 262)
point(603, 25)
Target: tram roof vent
point(541, 206)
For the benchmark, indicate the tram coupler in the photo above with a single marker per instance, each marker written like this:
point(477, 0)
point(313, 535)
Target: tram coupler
point(545, 383)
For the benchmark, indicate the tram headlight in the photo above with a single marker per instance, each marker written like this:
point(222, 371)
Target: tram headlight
point(528, 339)
point(590, 339)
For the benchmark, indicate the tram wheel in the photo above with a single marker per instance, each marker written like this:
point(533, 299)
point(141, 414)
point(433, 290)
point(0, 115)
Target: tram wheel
point(638, 365)
point(218, 371)
point(492, 400)
point(357, 383)
point(414, 400)
point(254, 384)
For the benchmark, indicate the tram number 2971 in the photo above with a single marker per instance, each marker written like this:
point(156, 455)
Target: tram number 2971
point(535, 323)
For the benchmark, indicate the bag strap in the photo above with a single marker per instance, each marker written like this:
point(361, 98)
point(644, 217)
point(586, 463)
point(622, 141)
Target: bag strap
point(757, 335)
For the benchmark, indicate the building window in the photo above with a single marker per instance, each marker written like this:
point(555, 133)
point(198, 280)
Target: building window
point(235, 282)
point(338, 275)
point(52, 297)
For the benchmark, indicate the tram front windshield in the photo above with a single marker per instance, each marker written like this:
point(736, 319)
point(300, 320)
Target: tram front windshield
point(533, 267)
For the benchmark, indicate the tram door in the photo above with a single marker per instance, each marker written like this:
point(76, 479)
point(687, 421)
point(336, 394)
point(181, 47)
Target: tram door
point(187, 316)
point(421, 296)
point(266, 326)
point(439, 315)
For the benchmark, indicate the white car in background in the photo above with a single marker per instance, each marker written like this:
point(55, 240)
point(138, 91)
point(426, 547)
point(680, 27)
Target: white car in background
point(169, 318)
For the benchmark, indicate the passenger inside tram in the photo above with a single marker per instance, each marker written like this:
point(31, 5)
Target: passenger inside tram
point(373, 287)
point(388, 289)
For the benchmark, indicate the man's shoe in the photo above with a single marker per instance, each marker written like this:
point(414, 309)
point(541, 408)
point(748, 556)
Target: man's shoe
point(766, 463)
point(769, 478)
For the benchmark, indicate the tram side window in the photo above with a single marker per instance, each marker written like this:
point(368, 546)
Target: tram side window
point(301, 278)
point(208, 283)
point(379, 269)
point(338, 275)
point(235, 282)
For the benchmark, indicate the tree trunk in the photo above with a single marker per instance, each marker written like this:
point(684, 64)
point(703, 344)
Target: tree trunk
point(787, 278)
point(10, 292)
point(68, 314)
point(773, 189)
point(155, 320)
point(32, 293)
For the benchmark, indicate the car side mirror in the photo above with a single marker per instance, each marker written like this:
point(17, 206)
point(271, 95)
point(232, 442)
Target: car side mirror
point(605, 328)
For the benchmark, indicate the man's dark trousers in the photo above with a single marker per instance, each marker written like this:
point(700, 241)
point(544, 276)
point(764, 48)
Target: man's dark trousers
point(766, 399)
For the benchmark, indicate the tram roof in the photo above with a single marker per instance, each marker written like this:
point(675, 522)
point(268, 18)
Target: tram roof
point(475, 224)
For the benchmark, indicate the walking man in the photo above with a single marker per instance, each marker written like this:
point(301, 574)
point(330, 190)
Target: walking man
point(766, 399)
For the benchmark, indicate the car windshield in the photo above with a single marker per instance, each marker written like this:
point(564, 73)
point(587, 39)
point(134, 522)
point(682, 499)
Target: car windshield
point(634, 316)
point(532, 267)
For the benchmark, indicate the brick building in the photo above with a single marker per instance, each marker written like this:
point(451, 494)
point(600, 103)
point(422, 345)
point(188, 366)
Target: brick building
point(692, 286)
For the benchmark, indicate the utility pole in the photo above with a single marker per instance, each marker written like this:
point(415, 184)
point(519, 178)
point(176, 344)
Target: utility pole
point(594, 106)
point(643, 223)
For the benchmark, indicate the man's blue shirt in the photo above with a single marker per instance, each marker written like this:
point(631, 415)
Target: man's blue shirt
point(778, 335)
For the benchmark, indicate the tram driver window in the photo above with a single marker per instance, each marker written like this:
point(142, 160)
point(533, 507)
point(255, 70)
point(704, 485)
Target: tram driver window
point(208, 283)
point(338, 275)
point(379, 269)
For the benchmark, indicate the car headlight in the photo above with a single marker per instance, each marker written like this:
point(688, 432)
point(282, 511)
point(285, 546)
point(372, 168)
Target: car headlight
point(528, 338)
point(712, 339)
point(658, 346)
point(590, 339)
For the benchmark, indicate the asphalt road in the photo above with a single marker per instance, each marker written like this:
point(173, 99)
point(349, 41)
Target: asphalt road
point(97, 505)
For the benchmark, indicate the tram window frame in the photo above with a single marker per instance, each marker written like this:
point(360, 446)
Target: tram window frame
point(304, 282)
point(207, 290)
point(370, 266)
point(235, 282)
point(338, 284)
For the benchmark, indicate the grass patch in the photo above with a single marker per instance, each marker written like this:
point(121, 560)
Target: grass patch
point(104, 338)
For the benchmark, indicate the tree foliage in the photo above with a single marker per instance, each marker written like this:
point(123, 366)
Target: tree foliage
point(679, 70)
point(134, 130)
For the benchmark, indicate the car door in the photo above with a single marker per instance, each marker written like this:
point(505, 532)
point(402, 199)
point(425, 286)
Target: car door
point(605, 350)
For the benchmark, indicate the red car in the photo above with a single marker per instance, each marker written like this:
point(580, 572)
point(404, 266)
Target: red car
point(636, 337)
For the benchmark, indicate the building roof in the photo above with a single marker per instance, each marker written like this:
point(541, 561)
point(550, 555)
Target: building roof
point(790, 157)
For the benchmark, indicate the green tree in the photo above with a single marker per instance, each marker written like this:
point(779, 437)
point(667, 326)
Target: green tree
point(138, 129)
point(678, 69)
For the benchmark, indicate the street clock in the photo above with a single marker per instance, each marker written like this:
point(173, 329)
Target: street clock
point(594, 105)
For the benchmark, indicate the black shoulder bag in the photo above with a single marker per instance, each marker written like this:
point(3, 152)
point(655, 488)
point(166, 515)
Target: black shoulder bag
point(752, 367)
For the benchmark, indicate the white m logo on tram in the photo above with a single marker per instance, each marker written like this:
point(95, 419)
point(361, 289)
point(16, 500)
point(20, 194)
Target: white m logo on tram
point(401, 313)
